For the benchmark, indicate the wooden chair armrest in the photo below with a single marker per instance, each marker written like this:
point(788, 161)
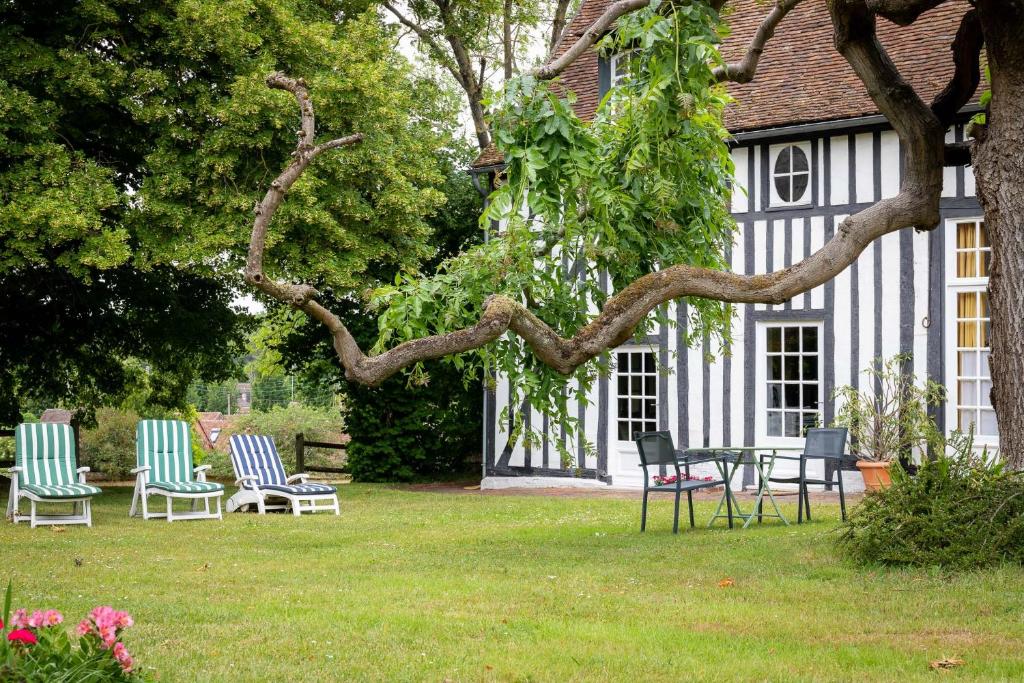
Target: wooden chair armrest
point(81, 470)
point(301, 477)
point(140, 470)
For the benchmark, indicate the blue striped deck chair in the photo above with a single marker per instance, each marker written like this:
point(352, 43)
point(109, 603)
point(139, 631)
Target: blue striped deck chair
point(45, 471)
point(262, 482)
point(163, 450)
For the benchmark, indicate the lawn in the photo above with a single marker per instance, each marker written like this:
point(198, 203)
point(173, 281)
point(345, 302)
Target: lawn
point(411, 585)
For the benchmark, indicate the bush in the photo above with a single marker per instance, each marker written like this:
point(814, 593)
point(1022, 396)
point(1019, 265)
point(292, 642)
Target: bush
point(36, 647)
point(959, 511)
point(401, 433)
point(109, 448)
point(318, 424)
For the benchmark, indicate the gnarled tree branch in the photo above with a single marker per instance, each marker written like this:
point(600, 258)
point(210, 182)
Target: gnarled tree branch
point(743, 71)
point(920, 131)
point(967, 69)
point(589, 37)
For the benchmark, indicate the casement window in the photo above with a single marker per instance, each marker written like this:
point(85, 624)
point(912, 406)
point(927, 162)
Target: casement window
point(637, 393)
point(973, 380)
point(793, 378)
point(790, 175)
point(619, 66)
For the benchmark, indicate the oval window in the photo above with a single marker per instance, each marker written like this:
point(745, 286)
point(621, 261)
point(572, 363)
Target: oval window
point(792, 174)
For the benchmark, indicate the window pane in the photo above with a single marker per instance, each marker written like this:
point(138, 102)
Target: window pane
point(782, 162)
point(965, 236)
point(968, 364)
point(792, 395)
point(650, 427)
point(649, 362)
point(810, 421)
point(799, 187)
point(623, 364)
point(988, 425)
point(624, 434)
point(782, 187)
point(792, 424)
point(986, 263)
point(809, 368)
point(792, 368)
point(623, 407)
point(649, 385)
point(774, 424)
point(774, 339)
point(810, 335)
point(623, 385)
point(966, 419)
point(635, 363)
point(799, 159)
point(810, 396)
point(792, 340)
point(968, 392)
point(774, 395)
point(636, 408)
point(650, 409)
point(983, 236)
point(775, 367)
point(985, 393)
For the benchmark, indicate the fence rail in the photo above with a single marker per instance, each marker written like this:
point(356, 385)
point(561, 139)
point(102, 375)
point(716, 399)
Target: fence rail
point(300, 455)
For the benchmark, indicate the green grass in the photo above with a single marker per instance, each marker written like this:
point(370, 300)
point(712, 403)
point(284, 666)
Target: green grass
point(428, 586)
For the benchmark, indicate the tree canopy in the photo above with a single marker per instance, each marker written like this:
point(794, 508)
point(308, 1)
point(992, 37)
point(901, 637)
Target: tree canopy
point(135, 139)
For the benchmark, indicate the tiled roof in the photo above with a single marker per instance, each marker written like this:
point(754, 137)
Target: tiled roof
point(801, 78)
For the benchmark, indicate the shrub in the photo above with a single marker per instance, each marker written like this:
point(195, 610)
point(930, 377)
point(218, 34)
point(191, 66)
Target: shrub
point(109, 448)
point(36, 647)
point(401, 432)
point(961, 510)
point(318, 424)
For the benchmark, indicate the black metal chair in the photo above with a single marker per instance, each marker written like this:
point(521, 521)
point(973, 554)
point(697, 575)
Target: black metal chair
point(829, 446)
point(656, 449)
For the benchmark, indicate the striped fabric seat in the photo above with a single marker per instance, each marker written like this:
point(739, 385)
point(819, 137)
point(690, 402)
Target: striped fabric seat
point(165, 446)
point(46, 455)
point(61, 490)
point(300, 489)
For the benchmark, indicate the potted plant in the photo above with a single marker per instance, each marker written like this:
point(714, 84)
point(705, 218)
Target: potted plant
point(888, 417)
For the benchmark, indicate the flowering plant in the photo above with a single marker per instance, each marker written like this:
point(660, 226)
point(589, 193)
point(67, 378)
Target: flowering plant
point(671, 479)
point(36, 647)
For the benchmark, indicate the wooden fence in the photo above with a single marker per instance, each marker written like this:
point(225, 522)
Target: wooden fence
point(300, 455)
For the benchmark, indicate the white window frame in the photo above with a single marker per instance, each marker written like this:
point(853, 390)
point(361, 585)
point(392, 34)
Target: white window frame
point(774, 200)
point(955, 286)
point(761, 379)
point(613, 67)
point(644, 375)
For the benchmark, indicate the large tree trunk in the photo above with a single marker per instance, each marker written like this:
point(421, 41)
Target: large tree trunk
point(999, 168)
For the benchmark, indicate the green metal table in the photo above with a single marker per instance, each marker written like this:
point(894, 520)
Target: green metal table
point(763, 466)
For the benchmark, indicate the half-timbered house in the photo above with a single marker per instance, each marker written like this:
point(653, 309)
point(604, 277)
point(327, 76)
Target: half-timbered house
point(809, 148)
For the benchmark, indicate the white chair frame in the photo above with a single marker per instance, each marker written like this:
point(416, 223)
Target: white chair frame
point(34, 519)
point(143, 490)
point(297, 503)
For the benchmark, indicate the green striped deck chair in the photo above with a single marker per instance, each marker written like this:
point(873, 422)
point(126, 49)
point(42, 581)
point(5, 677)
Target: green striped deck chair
point(45, 471)
point(163, 450)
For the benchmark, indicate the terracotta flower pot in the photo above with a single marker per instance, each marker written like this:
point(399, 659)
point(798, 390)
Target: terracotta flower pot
point(876, 474)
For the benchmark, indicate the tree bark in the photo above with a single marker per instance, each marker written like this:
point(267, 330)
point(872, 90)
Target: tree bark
point(999, 170)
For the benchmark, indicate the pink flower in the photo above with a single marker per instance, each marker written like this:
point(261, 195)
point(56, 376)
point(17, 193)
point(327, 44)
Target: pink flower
point(19, 619)
point(122, 656)
point(123, 620)
point(36, 620)
point(84, 627)
point(52, 617)
point(108, 634)
point(23, 636)
point(103, 616)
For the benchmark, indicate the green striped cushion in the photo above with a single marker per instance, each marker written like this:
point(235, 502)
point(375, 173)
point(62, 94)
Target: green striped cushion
point(166, 447)
point(46, 454)
point(61, 491)
point(186, 487)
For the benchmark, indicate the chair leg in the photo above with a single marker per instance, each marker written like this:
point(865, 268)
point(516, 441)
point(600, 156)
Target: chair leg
point(337, 508)
point(219, 515)
point(643, 513)
point(296, 507)
point(32, 516)
point(728, 504)
point(807, 501)
point(135, 499)
point(169, 509)
point(842, 493)
point(145, 502)
point(689, 503)
point(675, 515)
point(87, 510)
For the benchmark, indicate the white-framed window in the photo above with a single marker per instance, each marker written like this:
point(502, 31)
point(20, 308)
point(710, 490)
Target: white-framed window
point(790, 174)
point(968, 370)
point(636, 376)
point(214, 434)
point(619, 66)
point(793, 378)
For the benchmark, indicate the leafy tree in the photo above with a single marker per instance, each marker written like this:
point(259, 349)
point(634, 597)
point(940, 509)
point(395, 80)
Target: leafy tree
point(136, 137)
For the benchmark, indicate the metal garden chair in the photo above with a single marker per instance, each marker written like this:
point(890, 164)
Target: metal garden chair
point(828, 445)
point(656, 449)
